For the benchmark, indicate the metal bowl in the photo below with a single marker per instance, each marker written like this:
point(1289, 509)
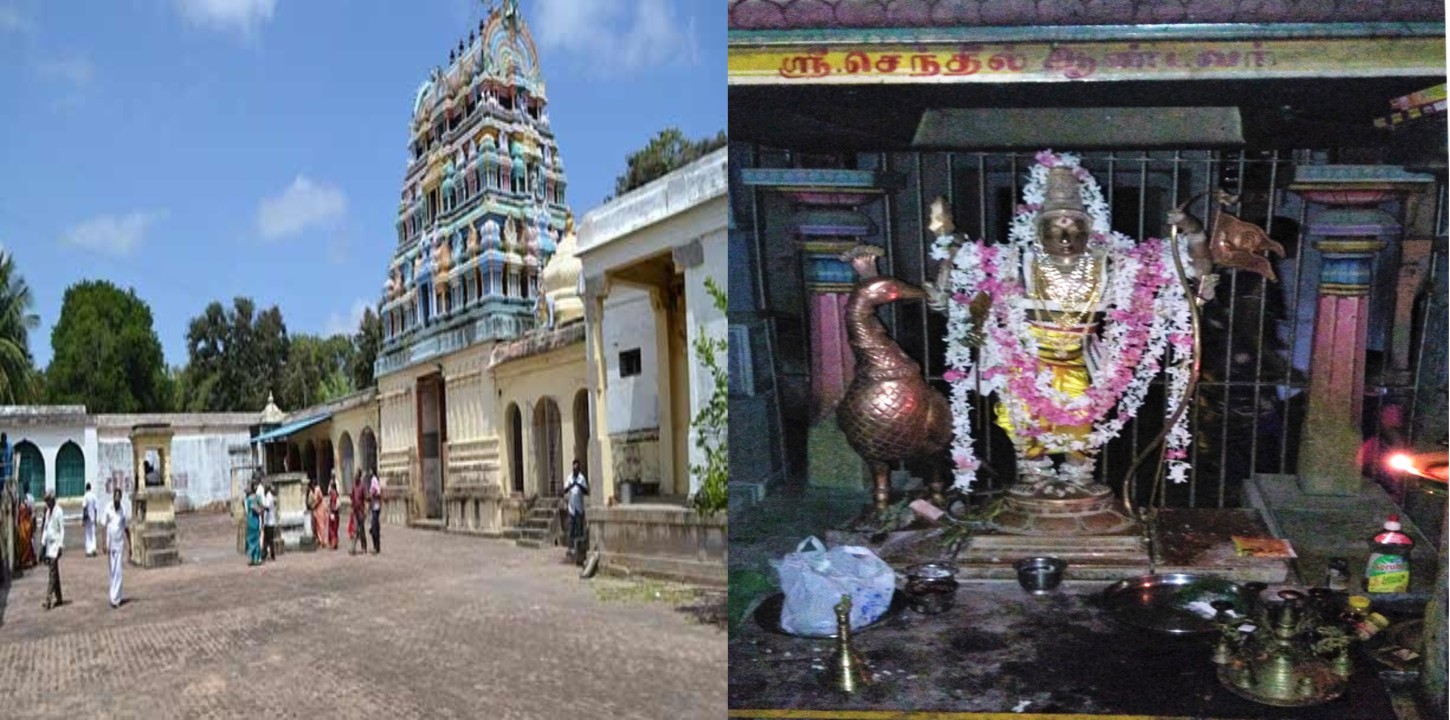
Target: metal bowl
point(1160, 602)
point(1040, 575)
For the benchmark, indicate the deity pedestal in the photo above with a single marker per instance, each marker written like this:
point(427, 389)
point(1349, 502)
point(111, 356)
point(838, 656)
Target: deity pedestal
point(828, 222)
point(1061, 510)
point(1082, 524)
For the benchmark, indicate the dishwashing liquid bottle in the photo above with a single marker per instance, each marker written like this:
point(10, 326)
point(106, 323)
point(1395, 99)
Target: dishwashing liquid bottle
point(1388, 569)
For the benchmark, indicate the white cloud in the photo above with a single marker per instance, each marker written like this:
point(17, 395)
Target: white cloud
point(616, 34)
point(115, 235)
point(77, 72)
point(303, 204)
point(12, 21)
point(346, 324)
point(243, 16)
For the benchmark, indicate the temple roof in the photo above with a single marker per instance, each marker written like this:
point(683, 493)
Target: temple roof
point(503, 50)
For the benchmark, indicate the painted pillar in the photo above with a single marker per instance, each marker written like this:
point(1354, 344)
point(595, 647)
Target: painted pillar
point(1349, 233)
point(827, 222)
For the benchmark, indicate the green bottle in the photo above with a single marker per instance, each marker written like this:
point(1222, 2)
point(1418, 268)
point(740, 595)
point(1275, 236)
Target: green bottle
point(1388, 569)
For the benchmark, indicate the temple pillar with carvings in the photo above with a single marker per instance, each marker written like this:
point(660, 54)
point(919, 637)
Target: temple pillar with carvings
point(827, 222)
point(1349, 229)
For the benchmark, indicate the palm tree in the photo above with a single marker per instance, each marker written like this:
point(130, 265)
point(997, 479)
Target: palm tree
point(16, 321)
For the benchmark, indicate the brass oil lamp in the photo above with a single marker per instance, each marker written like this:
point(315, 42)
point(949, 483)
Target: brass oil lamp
point(1296, 655)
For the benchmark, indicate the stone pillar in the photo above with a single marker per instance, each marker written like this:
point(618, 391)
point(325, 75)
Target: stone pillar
point(1415, 252)
point(659, 302)
point(1348, 234)
point(826, 223)
point(601, 473)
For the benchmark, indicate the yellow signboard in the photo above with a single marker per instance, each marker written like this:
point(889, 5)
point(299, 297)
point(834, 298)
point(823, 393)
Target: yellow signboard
point(1053, 62)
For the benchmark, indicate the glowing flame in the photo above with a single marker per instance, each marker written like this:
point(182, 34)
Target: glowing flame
point(1400, 462)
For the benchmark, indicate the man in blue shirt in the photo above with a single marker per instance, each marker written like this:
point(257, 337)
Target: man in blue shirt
point(6, 464)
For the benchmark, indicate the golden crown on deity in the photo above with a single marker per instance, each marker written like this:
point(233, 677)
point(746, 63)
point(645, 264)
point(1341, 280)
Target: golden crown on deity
point(1063, 196)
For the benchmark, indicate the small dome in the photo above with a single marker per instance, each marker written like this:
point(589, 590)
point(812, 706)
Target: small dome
point(559, 280)
point(272, 415)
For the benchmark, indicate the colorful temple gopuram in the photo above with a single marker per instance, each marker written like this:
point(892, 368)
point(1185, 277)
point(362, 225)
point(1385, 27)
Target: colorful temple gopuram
point(482, 333)
point(482, 205)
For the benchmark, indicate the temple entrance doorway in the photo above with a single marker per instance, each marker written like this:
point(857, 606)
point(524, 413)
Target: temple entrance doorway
point(344, 479)
point(548, 448)
point(432, 435)
point(515, 430)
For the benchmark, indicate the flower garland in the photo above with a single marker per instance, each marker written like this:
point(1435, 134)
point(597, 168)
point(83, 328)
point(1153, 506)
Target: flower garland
point(1145, 311)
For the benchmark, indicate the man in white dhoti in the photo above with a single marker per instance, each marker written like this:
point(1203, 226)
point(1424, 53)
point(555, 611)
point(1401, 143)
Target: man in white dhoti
point(88, 520)
point(118, 533)
point(52, 540)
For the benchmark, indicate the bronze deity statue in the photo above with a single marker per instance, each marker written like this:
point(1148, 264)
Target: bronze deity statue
point(889, 412)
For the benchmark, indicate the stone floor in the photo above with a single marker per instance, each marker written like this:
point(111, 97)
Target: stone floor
point(436, 626)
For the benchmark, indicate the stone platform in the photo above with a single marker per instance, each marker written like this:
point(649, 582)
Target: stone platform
point(154, 544)
point(1184, 540)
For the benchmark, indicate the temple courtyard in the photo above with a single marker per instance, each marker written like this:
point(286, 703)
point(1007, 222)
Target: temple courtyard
point(437, 626)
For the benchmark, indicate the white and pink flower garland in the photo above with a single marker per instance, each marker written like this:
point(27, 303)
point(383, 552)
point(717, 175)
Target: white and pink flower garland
point(1145, 312)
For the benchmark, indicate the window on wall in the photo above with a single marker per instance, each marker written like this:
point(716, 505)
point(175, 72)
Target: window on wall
point(630, 363)
point(70, 471)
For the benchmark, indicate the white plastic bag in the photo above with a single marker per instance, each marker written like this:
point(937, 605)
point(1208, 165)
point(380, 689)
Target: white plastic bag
point(815, 579)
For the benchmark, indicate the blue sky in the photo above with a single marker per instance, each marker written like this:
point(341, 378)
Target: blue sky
point(203, 149)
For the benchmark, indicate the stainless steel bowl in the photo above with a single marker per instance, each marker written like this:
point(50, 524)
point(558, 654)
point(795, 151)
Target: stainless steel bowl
point(1040, 575)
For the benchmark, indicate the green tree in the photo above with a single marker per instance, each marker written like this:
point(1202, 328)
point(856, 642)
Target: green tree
point(712, 423)
point(316, 371)
point(17, 367)
point(670, 150)
point(367, 341)
point(234, 358)
point(106, 354)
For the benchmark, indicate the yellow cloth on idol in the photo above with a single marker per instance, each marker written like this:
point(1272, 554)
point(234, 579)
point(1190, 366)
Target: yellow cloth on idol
point(1061, 350)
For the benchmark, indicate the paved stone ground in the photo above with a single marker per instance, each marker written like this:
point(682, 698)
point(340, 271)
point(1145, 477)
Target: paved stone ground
point(437, 626)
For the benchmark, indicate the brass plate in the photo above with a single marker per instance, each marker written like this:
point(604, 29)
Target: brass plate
point(1159, 602)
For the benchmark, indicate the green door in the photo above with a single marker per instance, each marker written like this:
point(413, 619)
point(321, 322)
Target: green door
point(70, 471)
point(30, 468)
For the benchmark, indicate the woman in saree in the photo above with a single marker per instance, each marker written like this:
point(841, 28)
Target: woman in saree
point(25, 522)
point(332, 512)
point(254, 527)
point(319, 513)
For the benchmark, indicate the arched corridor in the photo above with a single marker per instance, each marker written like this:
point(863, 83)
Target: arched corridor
point(344, 476)
point(368, 449)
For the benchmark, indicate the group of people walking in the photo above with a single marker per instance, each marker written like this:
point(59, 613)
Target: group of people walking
point(322, 516)
point(48, 545)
